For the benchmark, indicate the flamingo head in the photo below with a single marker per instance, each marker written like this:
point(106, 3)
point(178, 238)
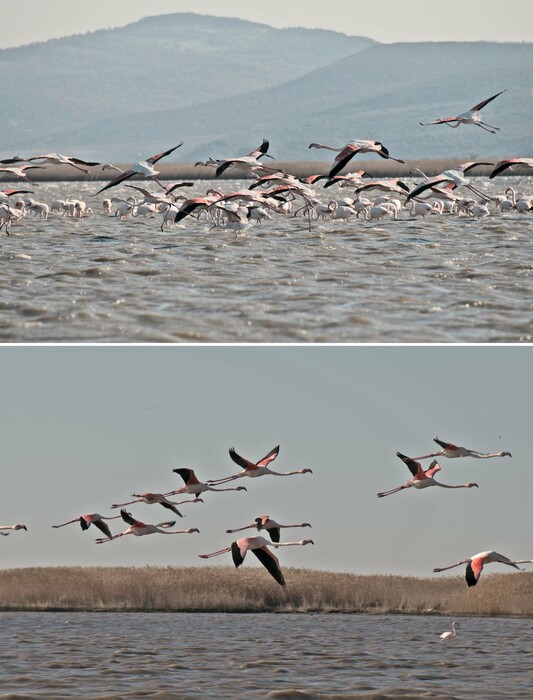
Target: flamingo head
point(241, 488)
point(192, 529)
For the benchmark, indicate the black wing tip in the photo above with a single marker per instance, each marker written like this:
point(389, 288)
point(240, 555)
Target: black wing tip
point(470, 576)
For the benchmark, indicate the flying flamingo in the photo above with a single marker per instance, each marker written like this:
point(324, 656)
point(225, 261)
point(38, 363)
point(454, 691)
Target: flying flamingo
point(475, 564)
point(452, 451)
point(504, 164)
point(258, 545)
point(55, 159)
point(351, 149)
point(18, 526)
point(250, 160)
point(265, 522)
point(422, 479)
point(257, 469)
point(92, 519)
point(151, 498)
point(136, 527)
point(20, 172)
point(470, 117)
point(144, 167)
point(450, 635)
point(196, 487)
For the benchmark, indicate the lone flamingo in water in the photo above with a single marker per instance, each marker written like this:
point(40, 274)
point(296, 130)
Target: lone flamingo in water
point(475, 564)
point(196, 487)
point(450, 635)
point(422, 479)
point(353, 148)
point(92, 519)
point(151, 498)
point(136, 527)
point(470, 117)
point(265, 522)
point(18, 526)
point(452, 451)
point(258, 545)
point(258, 469)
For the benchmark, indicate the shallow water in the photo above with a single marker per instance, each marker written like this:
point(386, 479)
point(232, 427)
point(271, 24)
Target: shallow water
point(445, 279)
point(170, 656)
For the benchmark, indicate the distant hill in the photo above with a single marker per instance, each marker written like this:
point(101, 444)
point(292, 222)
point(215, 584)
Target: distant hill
point(164, 62)
point(237, 82)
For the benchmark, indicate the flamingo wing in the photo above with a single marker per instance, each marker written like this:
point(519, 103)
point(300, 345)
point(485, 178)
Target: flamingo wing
point(237, 553)
point(128, 518)
point(482, 104)
point(84, 523)
point(445, 445)
point(414, 467)
point(101, 525)
point(433, 182)
point(225, 165)
point(501, 166)
point(158, 156)
point(119, 178)
point(343, 159)
point(271, 564)
point(433, 468)
point(241, 461)
point(270, 457)
point(187, 475)
point(473, 571)
point(79, 161)
point(274, 533)
point(261, 150)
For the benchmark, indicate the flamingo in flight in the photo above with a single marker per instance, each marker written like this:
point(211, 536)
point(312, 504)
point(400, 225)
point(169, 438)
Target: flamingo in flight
point(144, 167)
point(504, 164)
point(470, 117)
point(422, 478)
point(250, 160)
point(265, 522)
point(351, 149)
point(452, 634)
point(151, 498)
point(92, 519)
point(18, 526)
point(196, 487)
point(20, 172)
point(452, 451)
point(475, 564)
point(258, 545)
point(256, 469)
point(453, 178)
point(136, 527)
point(54, 159)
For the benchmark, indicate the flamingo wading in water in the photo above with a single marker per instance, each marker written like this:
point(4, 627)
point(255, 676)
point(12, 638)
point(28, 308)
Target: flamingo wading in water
point(453, 451)
point(258, 469)
point(258, 545)
point(422, 479)
point(136, 527)
point(475, 564)
point(452, 634)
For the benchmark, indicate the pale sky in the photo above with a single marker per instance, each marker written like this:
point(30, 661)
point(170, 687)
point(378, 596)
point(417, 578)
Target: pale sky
point(82, 428)
point(387, 21)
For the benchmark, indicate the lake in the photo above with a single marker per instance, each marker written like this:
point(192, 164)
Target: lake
point(182, 655)
point(446, 279)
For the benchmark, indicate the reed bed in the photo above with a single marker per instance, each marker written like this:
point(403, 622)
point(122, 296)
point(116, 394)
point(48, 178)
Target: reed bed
point(223, 589)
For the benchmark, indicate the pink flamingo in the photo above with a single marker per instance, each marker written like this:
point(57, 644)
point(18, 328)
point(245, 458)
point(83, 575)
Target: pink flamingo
point(351, 149)
point(504, 164)
point(265, 522)
point(422, 479)
point(18, 526)
point(452, 451)
point(196, 487)
point(470, 117)
point(151, 498)
point(258, 469)
point(136, 527)
point(475, 564)
point(258, 545)
point(56, 159)
point(250, 160)
point(92, 519)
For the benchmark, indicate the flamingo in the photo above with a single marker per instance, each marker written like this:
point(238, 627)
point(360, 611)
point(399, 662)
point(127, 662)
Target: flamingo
point(450, 635)
point(452, 451)
point(58, 159)
point(92, 519)
point(18, 526)
point(196, 487)
point(136, 527)
point(265, 522)
point(250, 160)
point(470, 117)
point(422, 478)
point(151, 498)
point(504, 164)
point(258, 545)
point(144, 167)
point(258, 469)
point(351, 149)
point(475, 564)
point(20, 172)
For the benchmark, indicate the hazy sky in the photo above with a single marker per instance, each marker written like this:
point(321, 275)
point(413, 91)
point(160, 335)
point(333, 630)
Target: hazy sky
point(85, 427)
point(27, 21)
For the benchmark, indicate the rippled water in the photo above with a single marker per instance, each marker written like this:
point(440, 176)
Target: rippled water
point(445, 279)
point(171, 656)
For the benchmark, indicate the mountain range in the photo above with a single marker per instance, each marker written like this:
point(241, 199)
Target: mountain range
point(222, 85)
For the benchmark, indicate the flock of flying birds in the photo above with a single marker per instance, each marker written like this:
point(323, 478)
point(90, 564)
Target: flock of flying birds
point(274, 190)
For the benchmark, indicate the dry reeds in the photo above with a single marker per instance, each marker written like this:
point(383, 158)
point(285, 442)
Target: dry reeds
point(223, 589)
